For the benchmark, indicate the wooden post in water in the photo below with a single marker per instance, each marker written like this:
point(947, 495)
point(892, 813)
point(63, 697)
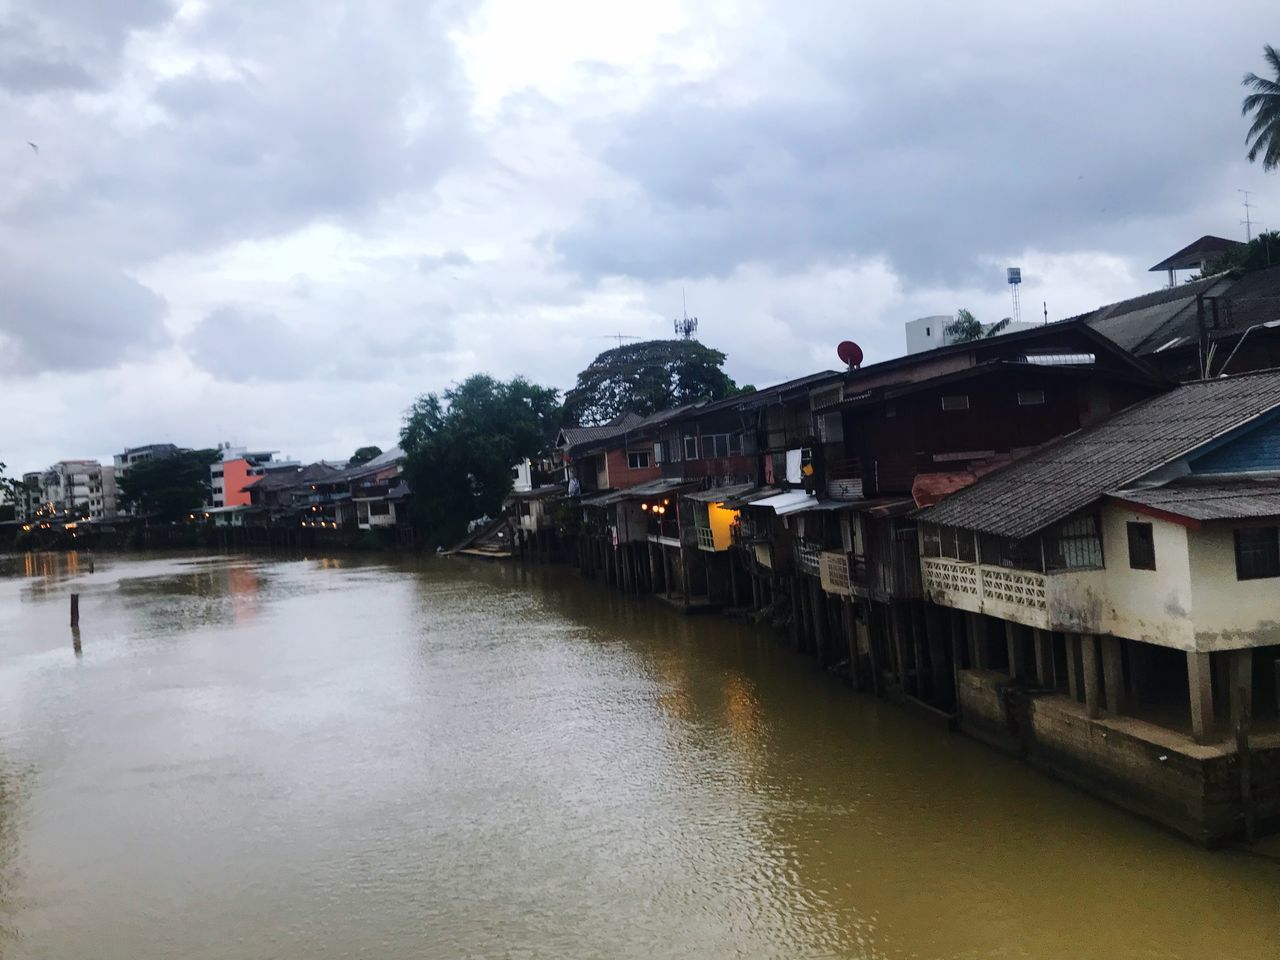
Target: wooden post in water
point(1245, 761)
point(75, 609)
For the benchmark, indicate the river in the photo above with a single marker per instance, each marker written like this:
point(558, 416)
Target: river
point(256, 757)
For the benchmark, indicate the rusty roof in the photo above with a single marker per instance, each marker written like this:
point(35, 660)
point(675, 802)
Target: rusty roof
point(1073, 472)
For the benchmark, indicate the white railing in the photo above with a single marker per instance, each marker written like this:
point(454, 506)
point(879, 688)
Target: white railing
point(807, 557)
point(979, 586)
point(834, 572)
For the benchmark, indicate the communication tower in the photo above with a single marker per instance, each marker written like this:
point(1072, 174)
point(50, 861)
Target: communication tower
point(688, 326)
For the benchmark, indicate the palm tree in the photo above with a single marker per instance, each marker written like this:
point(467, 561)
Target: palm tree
point(1264, 136)
point(966, 328)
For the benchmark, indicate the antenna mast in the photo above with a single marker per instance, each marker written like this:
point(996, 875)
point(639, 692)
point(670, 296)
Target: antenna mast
point(1248, 218)
point(687, 327)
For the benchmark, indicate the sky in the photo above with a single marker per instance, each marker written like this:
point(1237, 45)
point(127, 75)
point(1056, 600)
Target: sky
point(275, 224)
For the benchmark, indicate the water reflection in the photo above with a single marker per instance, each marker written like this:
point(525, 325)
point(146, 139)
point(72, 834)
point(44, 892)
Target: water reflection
point(440, 759)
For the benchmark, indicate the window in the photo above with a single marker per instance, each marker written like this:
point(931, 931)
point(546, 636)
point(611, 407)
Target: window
point(1257, 553)
point(691, 448)
point(717, 446)
point(1142, 546)
point(890, 410)
point(956, 401)
point(657, 452)
point(638, 459)
point(1075, 545)
point(379, 508)
point(1030, 398)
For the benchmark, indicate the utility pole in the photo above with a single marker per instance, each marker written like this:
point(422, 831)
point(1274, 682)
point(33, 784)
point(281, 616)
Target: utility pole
point(1248, 217)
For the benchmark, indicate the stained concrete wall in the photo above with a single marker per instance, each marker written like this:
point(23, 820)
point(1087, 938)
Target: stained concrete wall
point(1192, 789)
point(1230, 614)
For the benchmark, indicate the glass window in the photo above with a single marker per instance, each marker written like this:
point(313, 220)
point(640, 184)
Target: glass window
point(691, 448)
point(1142, 546)
point(1257, 553)
point(638, 459)
point(1030, 398)
point(958, 401)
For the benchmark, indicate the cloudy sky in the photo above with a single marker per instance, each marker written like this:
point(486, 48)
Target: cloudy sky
point(276, 223)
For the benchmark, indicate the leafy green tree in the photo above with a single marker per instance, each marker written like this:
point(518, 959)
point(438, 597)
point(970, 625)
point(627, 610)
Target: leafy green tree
point(167, 489)
point(1261, 252)
point(646, 377)
point(460, 446)
point(966, 328)
point(1263, 137)
point(364, 455)
point(12, 490)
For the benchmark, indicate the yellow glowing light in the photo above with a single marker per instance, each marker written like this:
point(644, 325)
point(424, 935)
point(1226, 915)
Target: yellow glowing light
point(644, 506)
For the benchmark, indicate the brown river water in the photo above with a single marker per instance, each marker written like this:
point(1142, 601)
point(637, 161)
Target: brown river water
point(258, 757)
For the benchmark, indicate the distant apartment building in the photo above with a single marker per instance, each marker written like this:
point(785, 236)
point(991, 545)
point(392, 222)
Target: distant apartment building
point(79, 487)
point(152, 451)
point(238, 469)
point(929, 333)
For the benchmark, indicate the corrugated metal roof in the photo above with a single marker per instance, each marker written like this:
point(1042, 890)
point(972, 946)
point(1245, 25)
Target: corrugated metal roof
point(1071, 473)
point(576, 436)
point(1210, 500)
point(720, 494)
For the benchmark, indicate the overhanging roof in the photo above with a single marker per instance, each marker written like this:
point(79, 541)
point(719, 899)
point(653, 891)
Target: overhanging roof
point(790, 501)
point(1193, 254)
point(720, 494)
point(1193, 499)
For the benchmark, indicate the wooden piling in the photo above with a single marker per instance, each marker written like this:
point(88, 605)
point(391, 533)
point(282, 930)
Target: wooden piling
point(75, 609)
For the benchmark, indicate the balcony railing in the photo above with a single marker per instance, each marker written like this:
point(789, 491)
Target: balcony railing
point(1019, 595)
point(834, 571)
point(807, 557)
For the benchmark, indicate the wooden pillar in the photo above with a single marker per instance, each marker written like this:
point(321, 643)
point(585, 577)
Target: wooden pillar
point(653, 567)
point(1113, 674)
point(897, 631)
point(1241, 685)
point(914, 617)
point(1092, 686)
point(756, 593)
point(1200, 684)
point(1013, 647)
point(797, 614)
point(977, 630)
point(684, 573)
point(1044, 657)
point(850, 627)
point(938, 672)
point(1073, 665)
point(818, 604)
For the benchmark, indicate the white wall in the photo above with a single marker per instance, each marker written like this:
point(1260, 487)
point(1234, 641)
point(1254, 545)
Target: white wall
point(1229, 613)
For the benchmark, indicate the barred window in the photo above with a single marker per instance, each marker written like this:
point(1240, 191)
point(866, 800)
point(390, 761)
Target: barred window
point(1075, 545)
point(1257, 553)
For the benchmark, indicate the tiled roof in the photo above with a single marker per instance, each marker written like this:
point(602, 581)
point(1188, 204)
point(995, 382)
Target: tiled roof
point(1236, 499)
point(1195, 253)
point(1073, 472)
point(577, 436)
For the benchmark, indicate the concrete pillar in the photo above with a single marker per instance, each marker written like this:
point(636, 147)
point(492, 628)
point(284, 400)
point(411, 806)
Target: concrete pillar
point(1200, 683)
point(850, 629)
point(1113, 674)
point(1044, 657)
point(939, 673)
point(1092, 684)
point(1241, 684)
point(797, 614)
point(1013, 646)
point(1073, 665)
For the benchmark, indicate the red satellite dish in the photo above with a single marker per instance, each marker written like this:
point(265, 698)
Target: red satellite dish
point(850, 353)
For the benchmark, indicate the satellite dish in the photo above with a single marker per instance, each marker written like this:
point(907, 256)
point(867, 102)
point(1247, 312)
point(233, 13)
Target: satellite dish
point(850, 353)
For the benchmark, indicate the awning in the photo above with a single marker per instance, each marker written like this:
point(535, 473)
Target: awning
point(750, 497)
point(720, 494)
point(792, 501)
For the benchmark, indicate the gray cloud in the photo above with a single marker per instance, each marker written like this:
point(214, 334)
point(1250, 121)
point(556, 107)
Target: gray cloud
point(947, 140)
point(68, 313)
point(70, 44)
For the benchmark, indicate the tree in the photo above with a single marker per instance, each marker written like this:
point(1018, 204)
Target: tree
point(966, 328)
point(364, 455)
point(460, 448)
point(1261, 252)
point(646, 377)
point(12, 491)
point(168, 488)
point(1263, 137)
